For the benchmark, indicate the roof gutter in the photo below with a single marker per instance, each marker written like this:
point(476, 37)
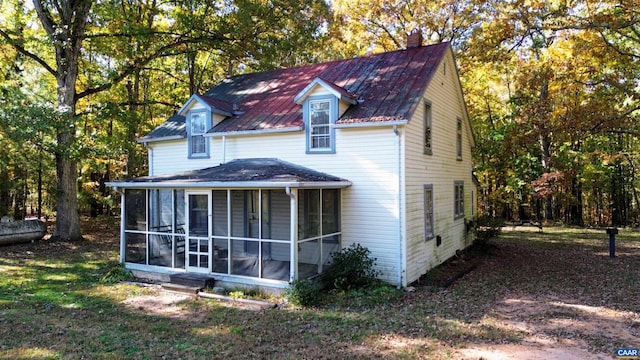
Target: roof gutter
point(254, 132)
point(370, 124)
point(227, 184)
point(163, 138)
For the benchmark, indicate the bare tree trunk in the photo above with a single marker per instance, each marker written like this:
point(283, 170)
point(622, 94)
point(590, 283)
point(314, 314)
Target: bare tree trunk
point(545, 144)
point(133, 94)
point(67, 217)
point(20, 191)
point(40, 185)
point(5, 196)
point(575, 212)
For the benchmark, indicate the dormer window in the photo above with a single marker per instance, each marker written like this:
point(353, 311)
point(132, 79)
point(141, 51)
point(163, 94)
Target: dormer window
point(320, 113)
point(323, 102)
point(197, 128)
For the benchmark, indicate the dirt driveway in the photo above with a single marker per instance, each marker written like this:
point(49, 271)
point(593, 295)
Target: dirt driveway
point(571, 304)
point(555, 295)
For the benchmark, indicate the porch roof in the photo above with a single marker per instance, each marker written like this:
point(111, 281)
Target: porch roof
point(240, 173)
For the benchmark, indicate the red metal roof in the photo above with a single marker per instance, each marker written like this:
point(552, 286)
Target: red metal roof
point(389, 84)
point(216, 104)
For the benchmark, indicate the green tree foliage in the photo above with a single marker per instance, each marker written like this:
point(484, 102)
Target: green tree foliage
point(116, 69)
point(570, 92)
point(551, 87)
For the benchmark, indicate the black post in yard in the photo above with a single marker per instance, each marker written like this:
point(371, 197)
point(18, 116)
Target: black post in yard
point(612, 231)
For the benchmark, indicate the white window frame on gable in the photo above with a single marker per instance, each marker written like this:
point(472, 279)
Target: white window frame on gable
point(320, 113)
point(197, 142)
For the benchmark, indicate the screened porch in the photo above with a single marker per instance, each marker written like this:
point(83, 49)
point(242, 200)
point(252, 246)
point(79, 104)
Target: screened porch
point(254, 233)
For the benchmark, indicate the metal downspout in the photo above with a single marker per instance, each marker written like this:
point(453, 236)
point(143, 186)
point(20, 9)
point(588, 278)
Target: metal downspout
point(224, 149)
point(400, 239)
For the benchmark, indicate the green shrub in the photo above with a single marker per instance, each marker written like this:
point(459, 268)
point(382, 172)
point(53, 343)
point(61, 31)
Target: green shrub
point(303, 292)
point(351, 268)
point(116, 274)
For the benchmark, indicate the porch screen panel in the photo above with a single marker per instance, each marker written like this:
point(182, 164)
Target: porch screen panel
point(135, 209)
point(135, 248)
point(179, 223)
point(244, 262)
point(275, 261)
point(220, 223)
point(265, 214)
point(330, 245)
point(179, 206)
point(160, 227)
point(309, 214)
point(280, 215)
point(220, 232)
point(330, 211)
point(161, 210)
point(330, 224)
point(135, 226)
point(237, 213)
point(221, 256)
point(320, 231)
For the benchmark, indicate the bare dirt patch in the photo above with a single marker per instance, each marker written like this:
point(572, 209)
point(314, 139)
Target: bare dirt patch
point(564, 296)
point(160, 302)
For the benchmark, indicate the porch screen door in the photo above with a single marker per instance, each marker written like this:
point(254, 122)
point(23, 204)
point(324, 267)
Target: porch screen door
point(198, 232)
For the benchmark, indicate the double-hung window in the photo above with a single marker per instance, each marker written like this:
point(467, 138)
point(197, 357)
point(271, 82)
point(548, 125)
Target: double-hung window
point(197, 129)
point(427, 129)
point(320, 124)
point(320, 115)
point(428, 212)
point(458, 195)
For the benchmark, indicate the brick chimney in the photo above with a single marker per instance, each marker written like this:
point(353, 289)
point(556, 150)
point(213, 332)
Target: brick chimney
point(414, 39)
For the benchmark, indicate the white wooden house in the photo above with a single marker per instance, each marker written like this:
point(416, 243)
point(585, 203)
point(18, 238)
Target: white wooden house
point(258, 180)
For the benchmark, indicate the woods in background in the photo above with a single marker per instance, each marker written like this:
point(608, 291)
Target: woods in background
point(552, 89)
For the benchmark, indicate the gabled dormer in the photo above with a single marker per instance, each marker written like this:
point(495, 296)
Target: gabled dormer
point(201, 113)
point(323, 102)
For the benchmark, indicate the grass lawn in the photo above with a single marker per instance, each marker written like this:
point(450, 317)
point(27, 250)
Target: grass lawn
point(558, 288)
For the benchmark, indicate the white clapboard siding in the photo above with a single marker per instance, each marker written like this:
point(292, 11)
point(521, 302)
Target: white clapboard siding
point(441, 170)
point(368, 157)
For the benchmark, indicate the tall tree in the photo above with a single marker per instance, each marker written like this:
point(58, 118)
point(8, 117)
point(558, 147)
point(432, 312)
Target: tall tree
point(65, 22)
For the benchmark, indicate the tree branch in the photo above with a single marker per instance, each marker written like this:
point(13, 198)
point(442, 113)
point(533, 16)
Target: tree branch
point(45, 17)
point(619, 117)
point(139, 63)
point(16, 45)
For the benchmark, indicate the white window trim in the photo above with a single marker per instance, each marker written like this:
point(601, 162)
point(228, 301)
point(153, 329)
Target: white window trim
point(190, 135)
point(333, 115)
point(458, 199)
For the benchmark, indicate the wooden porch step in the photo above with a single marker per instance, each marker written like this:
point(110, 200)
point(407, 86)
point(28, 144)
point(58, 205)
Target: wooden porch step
point(191, 280)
